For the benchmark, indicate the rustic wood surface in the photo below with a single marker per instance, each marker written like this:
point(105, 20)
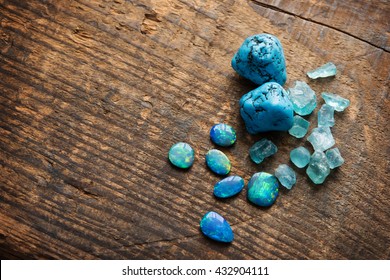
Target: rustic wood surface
point(94, 93)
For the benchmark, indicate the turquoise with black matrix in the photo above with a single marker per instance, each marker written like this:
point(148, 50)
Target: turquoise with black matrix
point(218, 162)
point(215, 227)
point(263, 189)
point(229, 186)
point(181, 155)
point(223, 135)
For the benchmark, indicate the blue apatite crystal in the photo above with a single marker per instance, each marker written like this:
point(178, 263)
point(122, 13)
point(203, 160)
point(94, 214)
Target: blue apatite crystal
point(262, 149)
point(300, 127)
point(326, 116)
point(214, 226)
point(218, 162)
point(318, 168)
point(286, 176)
point(223, 135)
point(303, 98)
point(263, 189)
point(267, 108)
point(229, 186)
point(261, 60)
point(334, 158)
point(300, 156)
point(181, 155)
point(336, 101)
point(324, 71)
point(321, 138)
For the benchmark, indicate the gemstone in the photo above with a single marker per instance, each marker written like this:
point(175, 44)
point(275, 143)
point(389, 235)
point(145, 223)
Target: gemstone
point(181, 155)
point(223, 135)
point(300, 127)
point(334, 158)
point(218, 162)
point(321, 138)
point(326, 116)
point(262, 149)
point(318, 168)
point(267, 108)
point(336, 101)
point(324, 71)
point(286, 176)
point(229, 186)
point(260, 59)
point(303, 98)
point(215, 226)
point(263, 189)
point(300, 157)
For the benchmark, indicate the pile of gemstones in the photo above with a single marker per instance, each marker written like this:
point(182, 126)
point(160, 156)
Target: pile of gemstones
point(269, 108)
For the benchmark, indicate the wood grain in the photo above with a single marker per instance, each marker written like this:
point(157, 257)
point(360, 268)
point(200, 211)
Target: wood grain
point(94, 93)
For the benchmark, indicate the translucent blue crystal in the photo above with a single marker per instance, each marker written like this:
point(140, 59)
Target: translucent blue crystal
point(303, 98)
point(261, 60)
point(334, 158)
point(326, 116)
point(229, 186)
point(181, 155)
point(218, 162)
point(336, 101)
point(300, 156)
point(321, 138)
point(263, 189)
point(214, 226)
point(318, 168)
point(300, 127)
point(262, 149)
point(324, 71)
point(267, 108)
point(286, 176)
point(223, 135)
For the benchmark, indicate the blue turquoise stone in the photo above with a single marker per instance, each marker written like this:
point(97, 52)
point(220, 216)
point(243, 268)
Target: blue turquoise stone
point(260, 59)
point(218, 162)
point(334, 158)
point(267, 108)
point(229, 186)
point(181, 155)
point(223, 135)
point(263, 189)
point(300, 156)
point(214, 226)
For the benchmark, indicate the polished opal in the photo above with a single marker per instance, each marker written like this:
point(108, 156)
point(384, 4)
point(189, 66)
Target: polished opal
point(181, 155)
point(303, 98)
point(326, 116)
point(262, 149)
point(336, 101)
point(300, 156)
point(334, 158)
point(214, 226)
point(286, 176)
point(267, 108)
point(318, 168)
point(324, 71)
point(300, 127)
point(223, 135)
point(218, 162)
point(260, 59)
point(229, 186)
point(321, 138)
point(263, 189)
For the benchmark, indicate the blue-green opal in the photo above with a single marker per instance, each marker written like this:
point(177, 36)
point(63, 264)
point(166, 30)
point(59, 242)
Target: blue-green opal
point(214, 226)
point(229, 186)
point(262, 149)
point(303, 98)
point(334, 158)
point(300, 127)
point(318, 168)
point(321, 138)
point(263, 189)
point(300, 157)
point(181, 155)
point(336, 101)
point(324, 71)
point(223, 135)
point(218, 162)
point(286, 176)
point(260, 59)
point(326, 116)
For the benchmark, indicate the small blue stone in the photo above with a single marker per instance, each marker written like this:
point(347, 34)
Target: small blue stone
point(286, 176)
point(303, 98)
point(300, 127)
point(263, 189)
point(324, 71)
point(267, 108)
point(336, 101)
point(326, 116)
point(223, 135)
point(300, 156)
point(334, 158)
point(262, 149)
point(229, 186)
point(321, 138)
point(181, 155)
point(318, 168)
point(214, 226)
point(261, 60)
point(218, 162)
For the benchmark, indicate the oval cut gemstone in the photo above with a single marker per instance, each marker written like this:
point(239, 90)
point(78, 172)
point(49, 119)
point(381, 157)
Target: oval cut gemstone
point(263, 189)
point(214, 226)
point(181, 155)
point(229, 186)
point(218, 162)
point(223, 135)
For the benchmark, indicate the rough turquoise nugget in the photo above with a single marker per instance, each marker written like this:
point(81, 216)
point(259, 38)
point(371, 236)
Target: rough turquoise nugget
point(261, 60)
point(214, 226)
point(223, 135)
point(263, 189)
point(181, 155)
point(229, 186)
point(218, 162)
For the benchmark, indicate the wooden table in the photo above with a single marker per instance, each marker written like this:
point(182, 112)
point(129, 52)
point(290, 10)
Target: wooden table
point(94, 93)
